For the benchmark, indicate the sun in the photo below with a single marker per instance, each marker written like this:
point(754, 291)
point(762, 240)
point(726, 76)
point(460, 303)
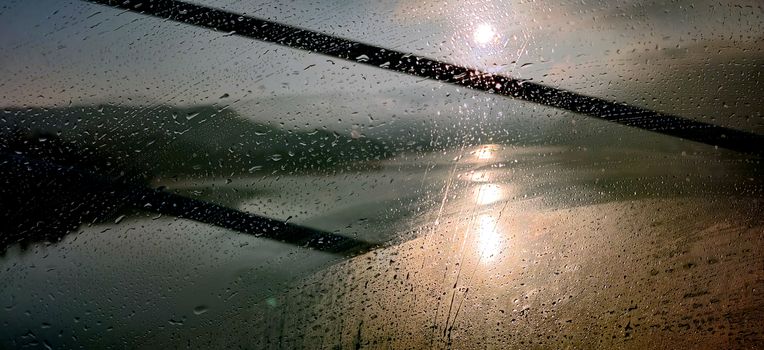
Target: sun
point(484, 34)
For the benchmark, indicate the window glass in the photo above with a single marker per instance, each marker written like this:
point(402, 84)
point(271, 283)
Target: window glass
point(166, 184)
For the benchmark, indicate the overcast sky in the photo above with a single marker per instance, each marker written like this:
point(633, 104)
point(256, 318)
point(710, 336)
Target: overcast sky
point(59, 52)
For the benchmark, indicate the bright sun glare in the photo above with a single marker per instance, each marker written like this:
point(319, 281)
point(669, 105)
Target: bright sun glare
point(489, 240)
point(484, 34)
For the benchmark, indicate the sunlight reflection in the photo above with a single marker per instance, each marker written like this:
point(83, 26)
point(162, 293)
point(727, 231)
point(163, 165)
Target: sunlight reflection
point(479, 176)
point(488, 193)
point(488, 237)
point(485, 152)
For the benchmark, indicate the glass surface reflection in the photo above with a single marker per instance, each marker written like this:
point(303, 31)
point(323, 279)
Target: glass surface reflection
point(489, 239)
point(477, 176)
point(489, 194)
point(486, 152)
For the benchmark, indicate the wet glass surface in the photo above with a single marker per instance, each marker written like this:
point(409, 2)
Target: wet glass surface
point(168, 185)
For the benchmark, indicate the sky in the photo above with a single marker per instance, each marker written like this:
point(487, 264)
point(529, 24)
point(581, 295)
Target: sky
point(59, 53)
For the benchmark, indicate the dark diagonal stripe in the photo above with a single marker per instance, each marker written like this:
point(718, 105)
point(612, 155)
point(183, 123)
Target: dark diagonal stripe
point(31, 175)
point(407, 63)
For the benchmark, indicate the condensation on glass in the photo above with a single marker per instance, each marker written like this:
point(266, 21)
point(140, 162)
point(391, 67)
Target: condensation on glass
point(137, 151)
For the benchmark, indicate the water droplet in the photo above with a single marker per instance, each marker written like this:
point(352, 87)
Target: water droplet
point(200, 309)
